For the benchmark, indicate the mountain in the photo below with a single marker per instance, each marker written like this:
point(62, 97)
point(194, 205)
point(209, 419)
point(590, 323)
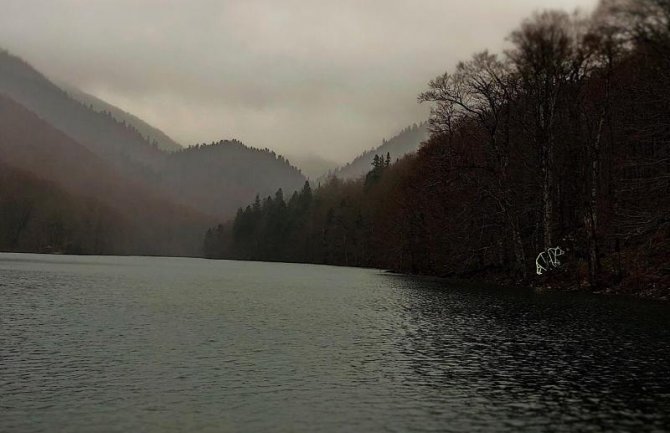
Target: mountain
point(143, 222)
point(407, 141)
point(152, 134)
point(220, 177)
point(581, 200)
point(313, 166)
point(118, 143)
point(213, 179)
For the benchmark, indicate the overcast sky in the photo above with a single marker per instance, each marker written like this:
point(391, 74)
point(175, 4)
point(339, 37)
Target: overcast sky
point(303, 77)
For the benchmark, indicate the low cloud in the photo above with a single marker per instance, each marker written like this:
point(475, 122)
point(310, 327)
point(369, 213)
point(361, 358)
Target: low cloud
point(308, 77)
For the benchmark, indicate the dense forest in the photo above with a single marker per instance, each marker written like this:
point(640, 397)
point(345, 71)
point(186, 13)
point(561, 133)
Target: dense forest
point(39, 216)
point(560, 141)
point(110, 167)
point(234, 173)
point(60, 189)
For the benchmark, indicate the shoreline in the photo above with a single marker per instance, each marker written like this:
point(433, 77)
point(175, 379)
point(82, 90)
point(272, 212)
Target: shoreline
point(551, 283)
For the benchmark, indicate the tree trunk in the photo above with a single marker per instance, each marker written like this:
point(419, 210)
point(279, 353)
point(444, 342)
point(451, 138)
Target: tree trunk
point(591, 214)
point(519, 253)
point(547, 193)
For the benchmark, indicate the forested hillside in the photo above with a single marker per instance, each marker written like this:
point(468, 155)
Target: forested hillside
point(407, 141)
point(213, 179)
point(39, 216)
point(561, 141)
point(119, 143)
point(154, 135)
point(220, 177)
point(128, 218)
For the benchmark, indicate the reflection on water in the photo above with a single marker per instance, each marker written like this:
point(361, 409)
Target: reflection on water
point(162, 344)
point(559, 361)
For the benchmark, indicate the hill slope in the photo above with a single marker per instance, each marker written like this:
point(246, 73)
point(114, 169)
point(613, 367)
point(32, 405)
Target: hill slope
point(151, 225)
point(118, 143)
point(152, 134)
point(407, 141)
point(215, 179)
point(39, 216)
point(220, 177)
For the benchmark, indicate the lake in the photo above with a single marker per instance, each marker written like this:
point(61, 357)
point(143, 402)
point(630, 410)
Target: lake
point(123, 344)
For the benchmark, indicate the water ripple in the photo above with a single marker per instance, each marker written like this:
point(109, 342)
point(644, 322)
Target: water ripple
point(170, 345)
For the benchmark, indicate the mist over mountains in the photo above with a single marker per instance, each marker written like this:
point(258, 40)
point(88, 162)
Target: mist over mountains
point(159, 195)
point(558, 143)
point(151, 134)
point(59, 196)
point(119, 185)
point(405, 142)
point(560, 140)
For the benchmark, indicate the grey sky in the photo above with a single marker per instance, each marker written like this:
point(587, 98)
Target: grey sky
point(302, 77)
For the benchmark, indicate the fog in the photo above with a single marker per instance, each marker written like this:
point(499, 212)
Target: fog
point(305, 78)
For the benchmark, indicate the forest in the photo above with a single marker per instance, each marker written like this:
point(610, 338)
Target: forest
point(80, 175)
point(559, 141)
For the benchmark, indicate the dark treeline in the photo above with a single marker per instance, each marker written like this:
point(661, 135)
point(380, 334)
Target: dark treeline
point(39, 216)
point(560, 141)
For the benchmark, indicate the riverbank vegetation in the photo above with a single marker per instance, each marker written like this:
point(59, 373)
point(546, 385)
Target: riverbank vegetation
point(561, 140)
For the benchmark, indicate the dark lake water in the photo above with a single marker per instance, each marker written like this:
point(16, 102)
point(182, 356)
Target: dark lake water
point(127, 344)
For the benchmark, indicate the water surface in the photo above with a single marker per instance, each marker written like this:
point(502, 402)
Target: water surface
point(123, 344)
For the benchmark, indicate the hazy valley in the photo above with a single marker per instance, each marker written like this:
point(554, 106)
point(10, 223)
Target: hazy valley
point(315, 216)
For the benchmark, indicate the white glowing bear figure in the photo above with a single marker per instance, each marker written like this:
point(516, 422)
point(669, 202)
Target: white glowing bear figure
point(547, 259)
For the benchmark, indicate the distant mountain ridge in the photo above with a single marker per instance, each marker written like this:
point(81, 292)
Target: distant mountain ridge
point(143, 222)
point(120, 144)
point(215, 179)
point(313, 166)
point(107, 164)
point(220, 177)
point(407, 141)
point(150, 133)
